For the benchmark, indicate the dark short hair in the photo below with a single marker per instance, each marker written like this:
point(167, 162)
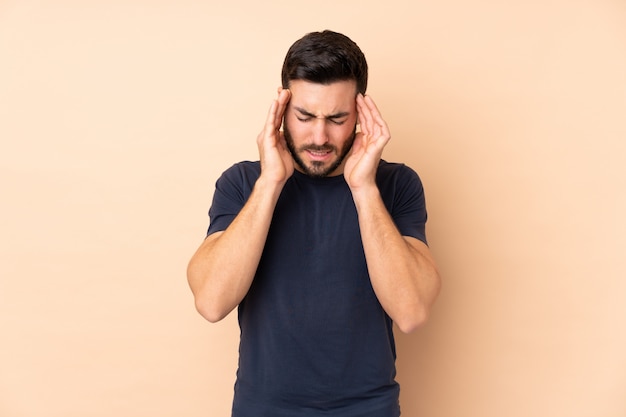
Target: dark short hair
point(323, 58)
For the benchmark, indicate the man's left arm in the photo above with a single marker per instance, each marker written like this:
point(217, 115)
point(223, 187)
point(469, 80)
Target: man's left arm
point(401, 268)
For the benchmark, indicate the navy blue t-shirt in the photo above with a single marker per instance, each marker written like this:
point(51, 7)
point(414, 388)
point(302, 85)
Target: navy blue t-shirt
point(315, 341)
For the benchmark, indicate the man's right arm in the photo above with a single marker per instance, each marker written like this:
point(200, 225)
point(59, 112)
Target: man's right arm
point(222, 269)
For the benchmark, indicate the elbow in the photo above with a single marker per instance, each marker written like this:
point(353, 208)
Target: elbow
point(210, 311)
point(417, 313)
point(412, 321)
point(210, 307)
point(206, 305)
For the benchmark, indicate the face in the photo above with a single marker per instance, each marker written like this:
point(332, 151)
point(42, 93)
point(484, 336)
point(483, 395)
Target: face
point(319, 125)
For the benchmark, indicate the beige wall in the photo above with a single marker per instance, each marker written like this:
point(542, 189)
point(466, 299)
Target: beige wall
point(116, 117)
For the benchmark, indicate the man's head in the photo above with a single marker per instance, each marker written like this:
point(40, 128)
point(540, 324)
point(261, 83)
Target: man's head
point(324, 72)
point(323, 58)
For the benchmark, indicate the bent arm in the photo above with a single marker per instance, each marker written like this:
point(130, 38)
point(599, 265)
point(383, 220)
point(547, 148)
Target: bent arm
point(222, 269)
point(402, 270)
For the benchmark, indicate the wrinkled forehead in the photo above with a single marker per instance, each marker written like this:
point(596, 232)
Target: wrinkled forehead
point(323, 100)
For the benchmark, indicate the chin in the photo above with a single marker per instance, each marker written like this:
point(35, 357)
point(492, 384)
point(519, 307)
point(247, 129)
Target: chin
point(320, 170)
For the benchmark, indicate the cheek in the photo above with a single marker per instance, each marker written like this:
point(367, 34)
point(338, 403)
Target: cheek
point(344, 131)
point(296, 128)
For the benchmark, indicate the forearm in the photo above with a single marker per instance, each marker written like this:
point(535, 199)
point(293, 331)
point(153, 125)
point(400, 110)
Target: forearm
point(222, 269)
point(402, 271)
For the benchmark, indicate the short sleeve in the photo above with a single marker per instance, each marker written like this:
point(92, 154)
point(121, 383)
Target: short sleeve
point(403, 194)
point(232, 190)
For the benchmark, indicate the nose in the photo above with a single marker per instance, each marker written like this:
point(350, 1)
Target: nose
point(319, 133)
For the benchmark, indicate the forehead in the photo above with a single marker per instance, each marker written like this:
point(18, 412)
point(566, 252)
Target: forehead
point(324, 99)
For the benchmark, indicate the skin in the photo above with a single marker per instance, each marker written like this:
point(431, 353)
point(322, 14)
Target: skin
point(320, 124)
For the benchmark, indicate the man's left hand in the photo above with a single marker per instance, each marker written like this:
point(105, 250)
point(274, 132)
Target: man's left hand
point(363, 160)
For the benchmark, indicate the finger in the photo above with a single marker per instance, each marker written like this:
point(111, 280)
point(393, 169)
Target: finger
point(281, 140)
point(268, 127)
point(270, 121)
point(360, 107)
point(365, 116)
point(283, 98)
point(358, 112)
point(369, 102)
point(377, 119)
point(357, 145)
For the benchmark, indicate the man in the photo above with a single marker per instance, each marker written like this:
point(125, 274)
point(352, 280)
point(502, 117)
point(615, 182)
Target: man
point(320, 244)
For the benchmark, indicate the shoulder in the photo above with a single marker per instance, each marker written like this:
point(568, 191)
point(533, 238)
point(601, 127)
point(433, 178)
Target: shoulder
point(244, 172)
point(239, 179)
point(251, 169)
point(394, 173)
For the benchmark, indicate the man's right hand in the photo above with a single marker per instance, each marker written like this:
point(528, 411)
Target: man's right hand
point(276, 161)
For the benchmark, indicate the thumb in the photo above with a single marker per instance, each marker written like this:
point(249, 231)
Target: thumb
point(357, 145)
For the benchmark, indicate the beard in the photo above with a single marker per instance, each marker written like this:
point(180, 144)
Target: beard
point(318, 169)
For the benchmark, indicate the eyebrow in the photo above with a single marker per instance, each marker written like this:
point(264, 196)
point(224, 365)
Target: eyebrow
point(331, 116)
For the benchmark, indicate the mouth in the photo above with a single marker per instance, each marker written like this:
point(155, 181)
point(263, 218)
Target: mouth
point(319, 154)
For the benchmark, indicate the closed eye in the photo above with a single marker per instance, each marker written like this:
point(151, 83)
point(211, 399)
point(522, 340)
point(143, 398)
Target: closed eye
point(337, 119)
point(333, 121)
